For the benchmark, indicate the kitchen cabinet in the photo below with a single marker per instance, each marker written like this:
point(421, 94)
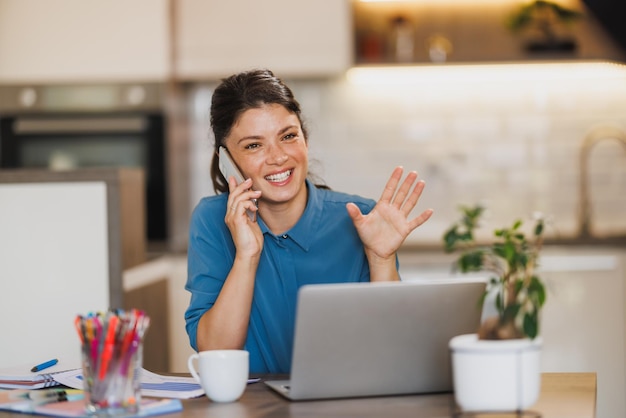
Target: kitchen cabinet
point(305, 38)
point(423, 32)
point(78, 41)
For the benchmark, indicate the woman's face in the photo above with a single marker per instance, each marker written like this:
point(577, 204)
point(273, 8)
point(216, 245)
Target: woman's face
point(268, 145)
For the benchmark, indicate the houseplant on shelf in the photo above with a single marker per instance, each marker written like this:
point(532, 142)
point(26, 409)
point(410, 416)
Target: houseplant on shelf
point(547, 22)
point(497, 369)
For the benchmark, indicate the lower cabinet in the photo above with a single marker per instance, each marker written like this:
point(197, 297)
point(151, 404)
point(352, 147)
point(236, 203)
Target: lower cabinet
point(152, 299)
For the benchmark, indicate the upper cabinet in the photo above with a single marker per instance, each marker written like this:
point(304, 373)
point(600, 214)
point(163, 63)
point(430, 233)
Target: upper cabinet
point(83, 41)
point(74, 41)
point(303, 38)
point(440, 31)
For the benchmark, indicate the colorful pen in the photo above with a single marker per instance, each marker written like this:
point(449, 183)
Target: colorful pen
point(44, 365)
point(109, 345)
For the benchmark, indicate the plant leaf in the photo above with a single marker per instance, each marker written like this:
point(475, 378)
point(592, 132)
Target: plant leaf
point(510, 312)
point(531, 325)
point(471, 261)
point(538, 290)
point(539, 228)
point(509, 253)
point(450, 238)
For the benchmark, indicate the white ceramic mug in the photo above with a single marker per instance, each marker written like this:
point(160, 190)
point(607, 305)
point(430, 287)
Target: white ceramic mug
point(223, 374)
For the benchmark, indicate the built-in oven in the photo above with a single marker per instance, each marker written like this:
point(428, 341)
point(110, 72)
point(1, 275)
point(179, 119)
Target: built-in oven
point(62, 127)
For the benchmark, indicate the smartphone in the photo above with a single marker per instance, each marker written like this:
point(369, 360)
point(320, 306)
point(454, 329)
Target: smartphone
point(228, 169)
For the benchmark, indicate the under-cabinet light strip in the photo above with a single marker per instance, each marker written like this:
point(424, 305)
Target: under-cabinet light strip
point(491, 73)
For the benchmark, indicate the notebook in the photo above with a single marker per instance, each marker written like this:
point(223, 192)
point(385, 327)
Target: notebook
point(72, 404)
point(21, 377)
point(374, 339)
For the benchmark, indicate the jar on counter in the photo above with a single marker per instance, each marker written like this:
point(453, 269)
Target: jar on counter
point(402, 39)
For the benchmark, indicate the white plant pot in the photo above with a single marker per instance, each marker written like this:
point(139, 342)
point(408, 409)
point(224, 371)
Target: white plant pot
point(495, 375)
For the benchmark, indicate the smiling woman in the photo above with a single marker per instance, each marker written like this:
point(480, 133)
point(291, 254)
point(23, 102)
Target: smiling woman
point(244, 272)
point(271, 148)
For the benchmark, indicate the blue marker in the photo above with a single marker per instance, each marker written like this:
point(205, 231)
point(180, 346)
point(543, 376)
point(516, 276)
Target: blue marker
point(44, 365)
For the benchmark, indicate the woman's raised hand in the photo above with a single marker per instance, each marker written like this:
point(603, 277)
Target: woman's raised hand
point(385, 228)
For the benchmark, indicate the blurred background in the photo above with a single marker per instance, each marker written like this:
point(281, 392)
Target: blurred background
point(493, 102)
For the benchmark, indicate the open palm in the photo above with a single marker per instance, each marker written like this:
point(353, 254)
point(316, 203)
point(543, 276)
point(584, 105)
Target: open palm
point(385, 228)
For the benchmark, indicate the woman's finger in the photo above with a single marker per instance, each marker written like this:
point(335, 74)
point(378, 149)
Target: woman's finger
point(392, 183)
point(414, 197)
point(243, 202)
point(404, 189)
point(423, 217)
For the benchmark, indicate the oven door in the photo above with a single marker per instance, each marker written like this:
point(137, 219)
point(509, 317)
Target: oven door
point(67, 141)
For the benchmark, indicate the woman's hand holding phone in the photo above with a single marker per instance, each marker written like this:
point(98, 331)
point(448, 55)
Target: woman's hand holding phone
point(230, 169)
point(246, 234)
point(245, 231)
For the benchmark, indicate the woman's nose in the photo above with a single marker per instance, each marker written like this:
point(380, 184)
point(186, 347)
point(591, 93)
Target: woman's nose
point(277, 156)
point(282, 159)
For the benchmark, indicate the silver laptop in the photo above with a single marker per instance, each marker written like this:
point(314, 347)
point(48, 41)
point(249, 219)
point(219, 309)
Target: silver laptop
point(373, 339)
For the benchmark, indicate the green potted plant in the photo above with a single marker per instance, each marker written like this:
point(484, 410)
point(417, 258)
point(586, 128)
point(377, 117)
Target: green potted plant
point(498, 367)
point(548, 21)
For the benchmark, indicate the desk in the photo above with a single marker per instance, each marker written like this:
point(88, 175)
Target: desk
point(563, 395)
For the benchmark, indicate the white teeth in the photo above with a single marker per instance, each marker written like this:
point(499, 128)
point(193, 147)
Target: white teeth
point(279, 177)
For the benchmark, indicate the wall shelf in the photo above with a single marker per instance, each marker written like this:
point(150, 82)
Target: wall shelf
point(418, 32)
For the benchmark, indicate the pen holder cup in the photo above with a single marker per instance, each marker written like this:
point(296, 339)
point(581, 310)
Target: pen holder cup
point(112, 359)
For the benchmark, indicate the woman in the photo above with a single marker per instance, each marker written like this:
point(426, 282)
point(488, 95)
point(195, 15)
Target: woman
point(244, 274)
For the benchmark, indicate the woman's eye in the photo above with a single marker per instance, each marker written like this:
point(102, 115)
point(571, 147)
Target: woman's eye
point(252, 146)
point(290, 136)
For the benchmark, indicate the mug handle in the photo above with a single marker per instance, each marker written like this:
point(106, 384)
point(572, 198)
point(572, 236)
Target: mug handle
point(192, 369)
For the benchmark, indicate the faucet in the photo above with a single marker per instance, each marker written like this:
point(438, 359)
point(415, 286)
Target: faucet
point(593, 137)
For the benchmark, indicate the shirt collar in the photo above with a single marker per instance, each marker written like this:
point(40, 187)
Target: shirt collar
point(301, 232)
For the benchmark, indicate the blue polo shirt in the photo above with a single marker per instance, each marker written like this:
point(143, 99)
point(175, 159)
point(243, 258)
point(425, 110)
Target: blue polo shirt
point(323, 247)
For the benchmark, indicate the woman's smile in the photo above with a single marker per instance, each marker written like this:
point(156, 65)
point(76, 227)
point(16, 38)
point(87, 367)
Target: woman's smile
point(281, 177)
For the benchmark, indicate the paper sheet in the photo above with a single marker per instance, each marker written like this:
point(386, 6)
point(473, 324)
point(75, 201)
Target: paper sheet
point(152, 384)
point(20, 376)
